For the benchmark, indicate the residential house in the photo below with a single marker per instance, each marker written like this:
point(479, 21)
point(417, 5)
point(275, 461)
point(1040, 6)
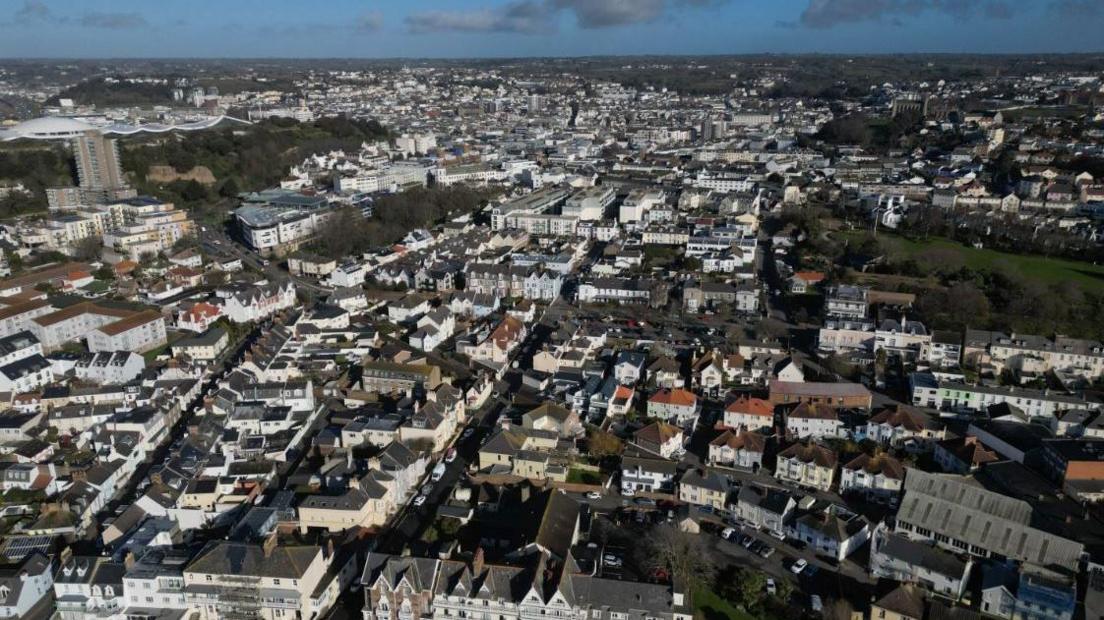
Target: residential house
point(816, 421)
point(901, 426)
point(763, 507)
point(677, 405)
point(834, 532)
point(809, 465)
point(666, 440)
point(749, 413)
point(878, 478)
point(896, 557)
point(704, 488)
point(641, 474)
point(742, 449)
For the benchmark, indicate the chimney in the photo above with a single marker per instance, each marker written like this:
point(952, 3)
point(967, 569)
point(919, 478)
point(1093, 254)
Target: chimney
point(270, 544)
point(477, 561)
point(129, 560)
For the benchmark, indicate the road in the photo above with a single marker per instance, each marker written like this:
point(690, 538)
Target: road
point(218, 242)
point(411, 521)
point(216, 372)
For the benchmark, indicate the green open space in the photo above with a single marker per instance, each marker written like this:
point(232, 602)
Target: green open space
point(1040, 268)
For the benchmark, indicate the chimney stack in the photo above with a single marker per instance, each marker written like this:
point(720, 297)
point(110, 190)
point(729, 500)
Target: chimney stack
point(270, 544)
point(477, 561)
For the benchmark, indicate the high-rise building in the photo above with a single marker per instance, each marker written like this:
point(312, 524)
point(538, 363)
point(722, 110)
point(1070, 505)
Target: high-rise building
point(97, 162)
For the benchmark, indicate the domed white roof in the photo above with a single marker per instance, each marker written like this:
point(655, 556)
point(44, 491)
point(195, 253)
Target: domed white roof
point(48, 128)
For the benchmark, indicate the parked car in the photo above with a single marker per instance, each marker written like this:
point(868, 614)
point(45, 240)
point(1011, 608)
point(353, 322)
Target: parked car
point(799, 565)
point(451, 456)
point(645, 501)
point(727, 533)
point(594, 495)
point(766, 551)
point(772, 589)
point(467, 433)
point(779, 535)
point(816, 604)
point(418, 501)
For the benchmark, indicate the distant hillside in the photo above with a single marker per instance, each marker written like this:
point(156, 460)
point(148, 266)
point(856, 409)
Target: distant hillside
point(98, 92)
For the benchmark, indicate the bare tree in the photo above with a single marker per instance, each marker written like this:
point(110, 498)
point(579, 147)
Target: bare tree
point(838, 609)
point(685, 555)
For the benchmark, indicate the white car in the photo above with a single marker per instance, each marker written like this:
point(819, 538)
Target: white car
point(771, 588)
point(798, 566)
point(727, 533)
point(594, 495)
point(451, 456)
point(418, 501)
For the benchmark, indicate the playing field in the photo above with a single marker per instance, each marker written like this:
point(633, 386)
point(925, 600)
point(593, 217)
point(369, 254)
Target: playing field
point(1048, 270)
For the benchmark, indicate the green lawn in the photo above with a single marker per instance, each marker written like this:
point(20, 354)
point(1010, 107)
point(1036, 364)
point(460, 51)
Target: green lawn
point(582, 476)
point(1047, 270)
point(709, 606)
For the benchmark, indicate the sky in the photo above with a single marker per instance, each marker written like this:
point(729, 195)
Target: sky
point(516, 28)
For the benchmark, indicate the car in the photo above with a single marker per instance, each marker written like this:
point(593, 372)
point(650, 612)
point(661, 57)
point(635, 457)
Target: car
point(799, 565)
point(755, 546)
point(427, 488)
point(644, 501)
point(744, 540)
point(816, 604)
point(766, 551)
point(727, 533)
point(451, 455)
point(594, 495)
point(611, 559)
point(772, 589)
point(779, 535)
point(467, 433)
point(811, 570)
point(418, 501)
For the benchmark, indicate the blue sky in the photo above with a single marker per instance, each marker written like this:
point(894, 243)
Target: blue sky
point(490, 28)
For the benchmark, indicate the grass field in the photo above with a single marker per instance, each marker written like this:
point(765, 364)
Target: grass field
point(1046, 270)
point(709, 606)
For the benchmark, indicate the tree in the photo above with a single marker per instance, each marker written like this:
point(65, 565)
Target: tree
point(193, 191)
point(603, 444)
point(784, 589)
point(87, 248)
point(838, 609)
point(750, 586)
point(229, 188)
point(687, 556)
